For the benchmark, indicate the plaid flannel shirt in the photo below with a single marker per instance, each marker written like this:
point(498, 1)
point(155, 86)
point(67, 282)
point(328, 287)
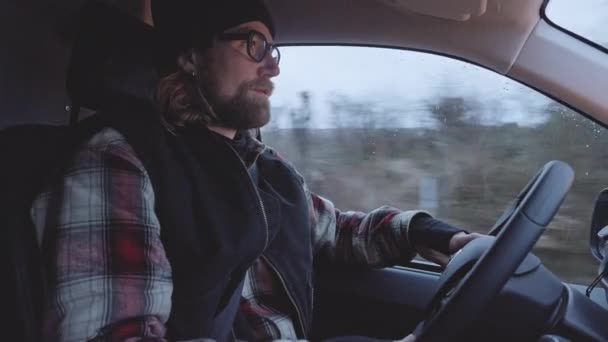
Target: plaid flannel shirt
point(111, 278)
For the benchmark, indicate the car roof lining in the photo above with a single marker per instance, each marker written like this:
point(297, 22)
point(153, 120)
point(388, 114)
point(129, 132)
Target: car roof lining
point(493, 39)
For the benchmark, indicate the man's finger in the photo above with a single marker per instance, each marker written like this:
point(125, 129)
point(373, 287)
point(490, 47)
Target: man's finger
point(443, 260)
point(434, 256)
point(461, 239)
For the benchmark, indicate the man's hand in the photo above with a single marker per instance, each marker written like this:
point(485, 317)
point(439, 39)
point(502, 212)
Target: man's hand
point(457, 241)
point(460, 240)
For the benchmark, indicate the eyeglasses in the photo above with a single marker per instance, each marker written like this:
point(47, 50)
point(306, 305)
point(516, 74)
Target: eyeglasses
point(257, 45)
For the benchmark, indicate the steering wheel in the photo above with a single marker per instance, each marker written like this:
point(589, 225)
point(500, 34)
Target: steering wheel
point(468, 286)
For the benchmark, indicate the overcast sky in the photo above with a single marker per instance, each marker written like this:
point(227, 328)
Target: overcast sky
point(406, 81)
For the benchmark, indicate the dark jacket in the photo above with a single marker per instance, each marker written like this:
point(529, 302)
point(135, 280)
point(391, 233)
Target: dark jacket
point(222, 220)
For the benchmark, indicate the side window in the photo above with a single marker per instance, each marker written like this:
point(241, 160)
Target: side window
point(370, 126)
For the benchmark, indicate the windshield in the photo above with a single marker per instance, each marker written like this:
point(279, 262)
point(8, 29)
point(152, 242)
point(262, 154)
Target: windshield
point(586, 18)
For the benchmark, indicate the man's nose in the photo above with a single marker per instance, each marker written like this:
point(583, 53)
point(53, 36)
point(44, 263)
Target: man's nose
point(269, 68)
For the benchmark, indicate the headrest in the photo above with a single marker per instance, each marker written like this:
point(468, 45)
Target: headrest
point(113, 59)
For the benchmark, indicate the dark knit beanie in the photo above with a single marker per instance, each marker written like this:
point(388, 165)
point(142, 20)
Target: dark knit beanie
point(184, 24)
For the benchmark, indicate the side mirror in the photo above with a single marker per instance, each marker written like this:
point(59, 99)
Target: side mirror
point(599, 226)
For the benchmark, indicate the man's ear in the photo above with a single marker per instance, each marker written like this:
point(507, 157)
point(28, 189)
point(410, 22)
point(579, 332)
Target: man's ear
point(188, 62)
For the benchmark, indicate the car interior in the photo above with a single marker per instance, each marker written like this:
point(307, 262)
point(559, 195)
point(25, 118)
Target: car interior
point(493, 289)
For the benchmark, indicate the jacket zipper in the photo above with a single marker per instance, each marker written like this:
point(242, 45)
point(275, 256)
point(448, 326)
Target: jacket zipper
point(293, 302)
point(257, 193)
point(300, 320)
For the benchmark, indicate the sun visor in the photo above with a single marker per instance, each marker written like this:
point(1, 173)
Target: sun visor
point(457, 10)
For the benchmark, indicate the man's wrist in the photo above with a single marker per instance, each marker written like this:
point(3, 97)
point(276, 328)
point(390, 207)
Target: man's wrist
point(428, 232)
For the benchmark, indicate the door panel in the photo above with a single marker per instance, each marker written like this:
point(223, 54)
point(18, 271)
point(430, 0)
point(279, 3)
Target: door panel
point(384, 303)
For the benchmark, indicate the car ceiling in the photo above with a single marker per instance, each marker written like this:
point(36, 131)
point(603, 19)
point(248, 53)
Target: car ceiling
point(493, 39)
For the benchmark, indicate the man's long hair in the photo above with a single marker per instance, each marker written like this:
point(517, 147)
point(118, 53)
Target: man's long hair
point(181, 102)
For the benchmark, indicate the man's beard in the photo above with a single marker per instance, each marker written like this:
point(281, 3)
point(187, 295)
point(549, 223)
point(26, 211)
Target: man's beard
point(243, 110)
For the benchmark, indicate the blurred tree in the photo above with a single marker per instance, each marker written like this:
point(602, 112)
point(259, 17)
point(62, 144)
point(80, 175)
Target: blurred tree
point(300, 120)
